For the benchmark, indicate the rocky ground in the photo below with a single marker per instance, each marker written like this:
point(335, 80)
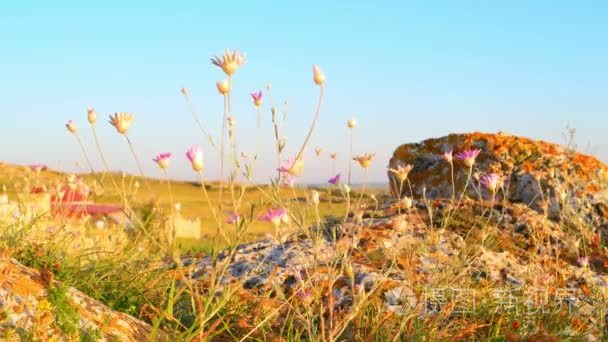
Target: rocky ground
point(36, 307)
point(537, 245)
point(538, 242)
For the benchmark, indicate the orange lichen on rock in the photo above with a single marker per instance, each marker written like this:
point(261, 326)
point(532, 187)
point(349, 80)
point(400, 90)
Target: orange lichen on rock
point(24, 298)
point(531, 168)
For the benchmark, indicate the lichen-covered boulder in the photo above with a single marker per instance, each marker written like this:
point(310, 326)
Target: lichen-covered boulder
point(34, 307)
point(536, 173)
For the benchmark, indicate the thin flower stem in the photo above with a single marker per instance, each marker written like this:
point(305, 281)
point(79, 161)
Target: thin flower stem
point(363, 190)
point(198, 122)
point(453, 181)
point(451, 208)
point(350, 154)
point(213, 211)
point(492, 203)
point(105, 162)
point(466, 185)
point(348, 205)
point(139, 167)
point(223, 143)
point(172, 211)
point(259, 116)
point(314, 123)
point(409, 184)
point(232, 176)
point(277, 140)
point(401, 182)
point(429, 207)
point(275, 126)
point(86, 157)
point(228, 95)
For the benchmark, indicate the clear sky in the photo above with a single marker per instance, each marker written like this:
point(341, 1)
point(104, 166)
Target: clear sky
point(407, 70)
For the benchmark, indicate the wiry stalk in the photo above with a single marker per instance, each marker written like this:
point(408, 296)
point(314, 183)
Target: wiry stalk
point(213, 211)
point(314, 123)
point(277, 140)
point(350, 155)
point(104, 161)
point(363, 190)
point(275, 126)
point(401, 182)
point(453, 181)
point(492, 203)
point(139, 167)
point(86, 157)
point(172, 211)
point(223, 143)
point(259, 117)
point(453, 199)
point(466, 184)
point(197, 121)
point(220, 223)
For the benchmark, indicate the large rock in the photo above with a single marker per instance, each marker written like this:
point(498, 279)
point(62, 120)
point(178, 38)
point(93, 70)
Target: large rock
point(537, 173)
point(35, 307)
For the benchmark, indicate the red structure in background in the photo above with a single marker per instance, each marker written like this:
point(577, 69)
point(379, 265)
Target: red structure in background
point(38, 190)
point(71, 203)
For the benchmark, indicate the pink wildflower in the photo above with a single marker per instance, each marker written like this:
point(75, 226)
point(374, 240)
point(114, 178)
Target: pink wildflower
point(195, 156)
point(448, 156)
point(257, 98)
point(233, 218)
point(468, 157)
point(492, 182)
point(163, 160)
point(335, 180)
point(292, 167)
point(274, 215)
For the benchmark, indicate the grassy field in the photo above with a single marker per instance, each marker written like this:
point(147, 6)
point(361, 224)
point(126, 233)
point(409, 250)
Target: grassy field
point(142, 193)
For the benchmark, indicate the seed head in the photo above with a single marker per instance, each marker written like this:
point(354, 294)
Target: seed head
point(91, 116)
point(318, 76)
point(352, 123)
point(71, 126)
point(223, 86)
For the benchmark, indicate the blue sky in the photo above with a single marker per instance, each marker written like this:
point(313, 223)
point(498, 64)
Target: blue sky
point(407, 70)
